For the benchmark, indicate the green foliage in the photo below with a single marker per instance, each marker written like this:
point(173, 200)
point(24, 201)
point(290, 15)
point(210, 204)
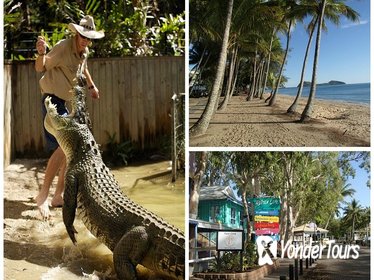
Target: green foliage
point(312, 184)
point(12, 16)
point(250, 255)
point(169, 36)
point(131, 27)
point(53, 38)
point(119, 153)
point(229, 261)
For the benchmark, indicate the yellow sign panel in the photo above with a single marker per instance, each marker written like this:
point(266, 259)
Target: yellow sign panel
point(272, 219)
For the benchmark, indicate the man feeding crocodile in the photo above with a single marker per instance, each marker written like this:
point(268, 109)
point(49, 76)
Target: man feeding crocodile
point(60, 66)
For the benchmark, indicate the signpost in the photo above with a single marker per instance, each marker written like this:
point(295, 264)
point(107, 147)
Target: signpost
point(230, 240)
point(266, 215)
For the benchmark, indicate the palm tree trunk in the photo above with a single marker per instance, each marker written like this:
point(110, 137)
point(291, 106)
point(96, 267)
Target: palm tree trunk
point(201, 126)
point(353, 229)
point(253, 84)
point(230, 83)
point(261, 80)
point(293, 107)
point(268, 63)
point(273, 98)
point(258, 73)
point(309, 106)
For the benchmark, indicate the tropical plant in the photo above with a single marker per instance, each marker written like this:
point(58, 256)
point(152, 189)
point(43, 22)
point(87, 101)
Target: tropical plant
point(228, 261)
point(131, 27)
point(352, 213)
point(311, 28)
point(323, 9)
point(202, 124)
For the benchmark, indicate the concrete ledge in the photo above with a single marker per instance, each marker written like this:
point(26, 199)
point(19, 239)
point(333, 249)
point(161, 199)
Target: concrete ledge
point(255, 274)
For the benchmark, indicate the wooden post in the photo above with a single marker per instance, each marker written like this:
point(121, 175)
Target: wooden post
point(174, 137)
point(241, 261)
point(219, 261)
point(290, 272)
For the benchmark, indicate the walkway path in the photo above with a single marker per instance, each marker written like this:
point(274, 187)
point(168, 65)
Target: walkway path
point(348, 269)
point(281, 271)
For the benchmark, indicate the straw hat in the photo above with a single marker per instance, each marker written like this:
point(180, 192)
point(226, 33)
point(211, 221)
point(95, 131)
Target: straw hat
point(87, 28)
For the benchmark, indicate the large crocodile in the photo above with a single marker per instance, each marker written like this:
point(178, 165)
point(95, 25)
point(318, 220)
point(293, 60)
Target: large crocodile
point(134, 234)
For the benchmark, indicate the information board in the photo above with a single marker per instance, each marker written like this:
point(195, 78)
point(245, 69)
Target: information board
point(230, 240)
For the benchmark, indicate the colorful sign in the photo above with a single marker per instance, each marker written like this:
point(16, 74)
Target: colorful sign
point(267, 231)
point(266, 203)
point(266, 215)
point(272, 219)
point(260, 225)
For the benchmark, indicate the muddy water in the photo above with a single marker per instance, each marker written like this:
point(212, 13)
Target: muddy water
point(34, 249)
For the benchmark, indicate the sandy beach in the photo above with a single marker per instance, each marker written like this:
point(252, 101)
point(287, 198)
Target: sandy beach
point(36, 249)
point(254, 124)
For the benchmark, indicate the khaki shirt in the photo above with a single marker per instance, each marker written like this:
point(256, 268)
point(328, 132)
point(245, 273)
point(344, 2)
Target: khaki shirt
point(62, 64)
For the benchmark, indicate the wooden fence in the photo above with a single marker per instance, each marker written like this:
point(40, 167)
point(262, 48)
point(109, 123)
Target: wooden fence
point(135, 102)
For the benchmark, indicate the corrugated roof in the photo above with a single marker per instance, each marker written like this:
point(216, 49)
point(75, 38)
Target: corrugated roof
point(218, 193)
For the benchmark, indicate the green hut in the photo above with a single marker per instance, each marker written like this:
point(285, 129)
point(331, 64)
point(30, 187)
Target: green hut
point(220, 205)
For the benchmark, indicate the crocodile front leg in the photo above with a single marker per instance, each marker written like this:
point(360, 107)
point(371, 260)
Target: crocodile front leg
point(129, 252)
point(70, 205)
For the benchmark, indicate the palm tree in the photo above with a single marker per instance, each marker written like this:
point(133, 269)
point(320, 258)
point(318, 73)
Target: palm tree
point(338, 7)
point(292, 108)
point(202, 124)
point(351, 214)
point(249, 38)
point(274, 95)
point(342, 192)
point(291, 12)
point(308, 108)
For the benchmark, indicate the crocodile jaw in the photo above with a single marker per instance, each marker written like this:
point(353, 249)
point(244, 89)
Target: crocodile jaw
point(53, 121)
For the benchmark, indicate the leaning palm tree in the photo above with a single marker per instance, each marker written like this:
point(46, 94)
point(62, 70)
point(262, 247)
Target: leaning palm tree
point(311, 28)
point(201, 126)
point(292, 12)
point(340, 8)
point(274, 94)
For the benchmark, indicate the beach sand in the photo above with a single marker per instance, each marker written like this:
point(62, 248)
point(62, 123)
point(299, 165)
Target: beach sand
point(36, 249)
point(254, 124)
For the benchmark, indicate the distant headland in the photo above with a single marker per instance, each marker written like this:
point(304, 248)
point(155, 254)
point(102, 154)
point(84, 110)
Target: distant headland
point(331, 83)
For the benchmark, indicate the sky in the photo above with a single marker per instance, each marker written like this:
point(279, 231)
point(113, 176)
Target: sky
point(344, 53)
point(358, 183)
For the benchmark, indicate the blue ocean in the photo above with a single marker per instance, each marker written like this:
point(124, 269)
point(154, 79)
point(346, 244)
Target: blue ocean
point(353, 93)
